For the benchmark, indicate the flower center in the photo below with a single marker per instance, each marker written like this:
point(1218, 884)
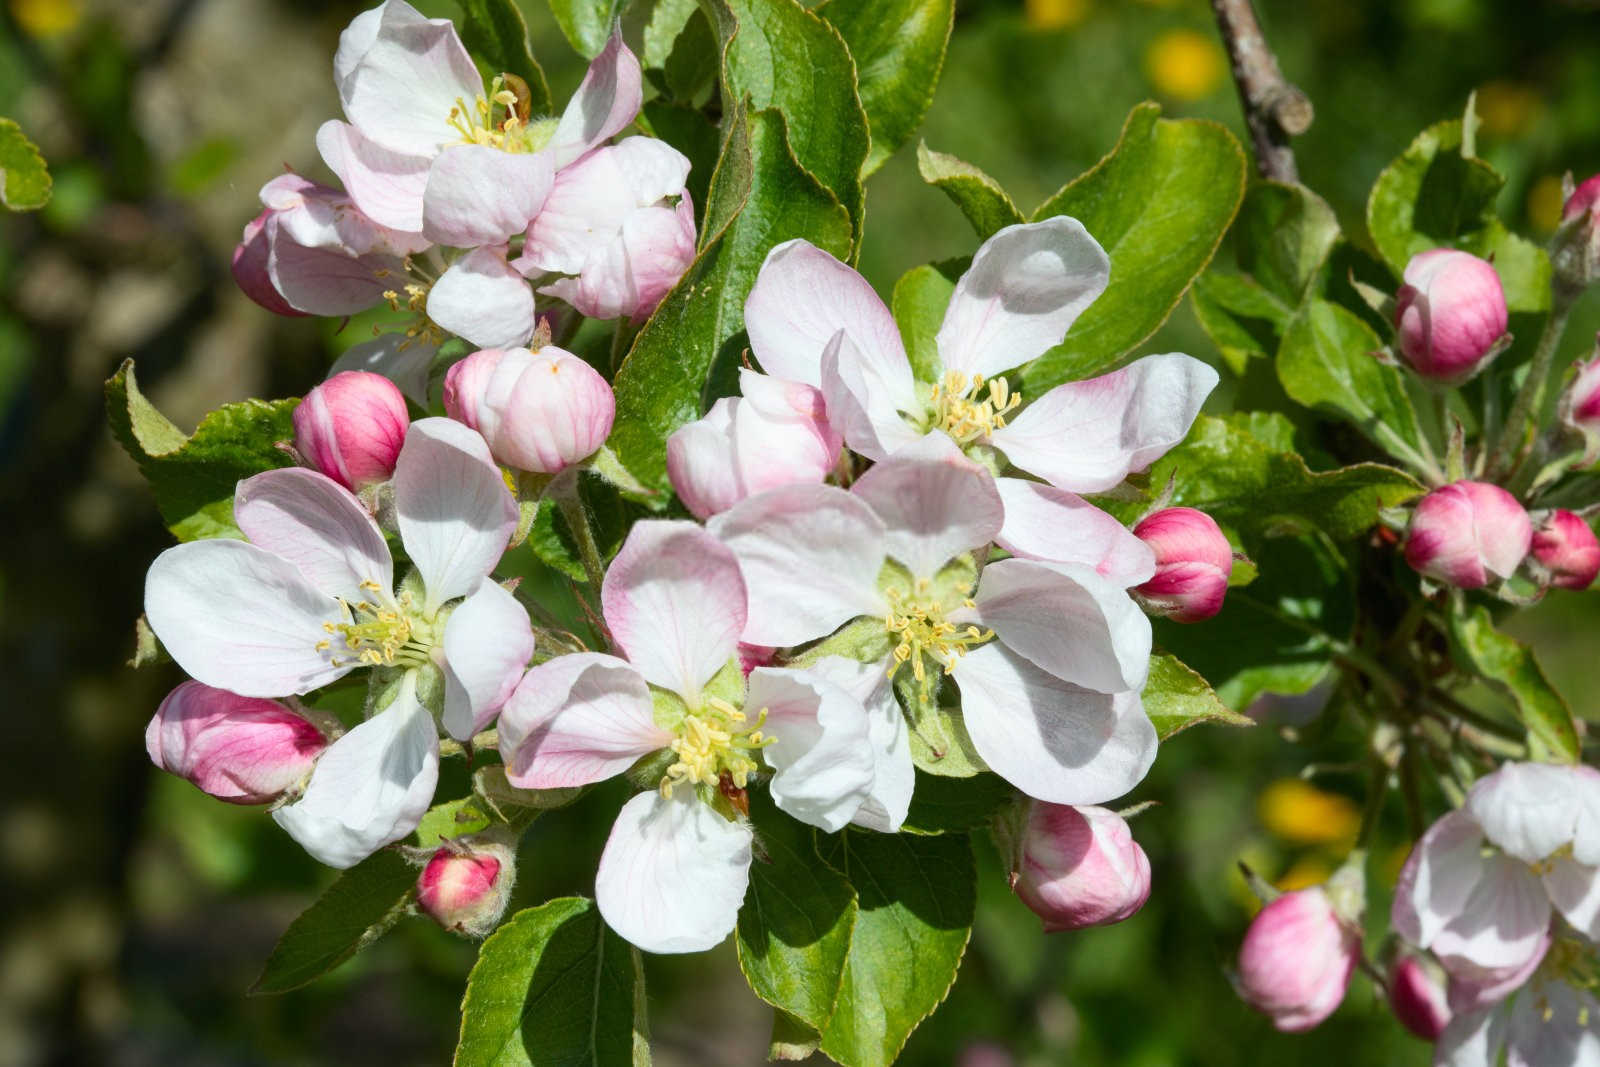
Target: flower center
point(717, 740)
point(967, 419)
point(500, 120)
point(917, 618)
point(1571, 960)
point(379, 635)
point(412, 296)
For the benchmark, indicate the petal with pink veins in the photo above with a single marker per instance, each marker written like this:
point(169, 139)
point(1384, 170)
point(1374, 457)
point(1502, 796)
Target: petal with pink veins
point(606, 101)
point(821, 756)
point(387, 186)
point(1531, 810)
point(1575, 891)
point(326, 281)
point(577, 719)
point(487, 644)
point(482, 298)
point(313, 522)
point(478, 195)
point(252, 267)
point(413, 74)
point(865, 406)
point(1046, 523)
point(935, 504)
point(590, 199)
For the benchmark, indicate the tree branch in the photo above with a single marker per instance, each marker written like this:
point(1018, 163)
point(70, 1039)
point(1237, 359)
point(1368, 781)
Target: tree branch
point(1274, 110)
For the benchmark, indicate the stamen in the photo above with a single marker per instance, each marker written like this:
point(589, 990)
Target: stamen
point(714, 748)
point(964, 417)
point(923, 630)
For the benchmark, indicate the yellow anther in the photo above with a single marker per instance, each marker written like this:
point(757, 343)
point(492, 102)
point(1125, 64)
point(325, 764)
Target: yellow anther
point(924, 632)
point(959, 412)
point(712, 743)
point(476, 122)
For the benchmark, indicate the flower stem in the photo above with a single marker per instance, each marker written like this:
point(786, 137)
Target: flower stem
point(577, 516)
point(1512, 446)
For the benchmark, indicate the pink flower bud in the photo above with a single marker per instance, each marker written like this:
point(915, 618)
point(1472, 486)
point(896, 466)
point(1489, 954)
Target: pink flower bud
point(1582, 199)
point(1417, 995)
point(1080, 866)
point(541, 412)
point(1296, 960)
point(1575, 248)
point(351, 427)
point(465, 886)
point(1566, 550)
point(1580, 406)
point(1466, 533)
point(244, 750)
point(1451, 314)
point(1193, 562)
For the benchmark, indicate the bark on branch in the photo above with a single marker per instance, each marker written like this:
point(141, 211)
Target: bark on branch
point(1274, 110)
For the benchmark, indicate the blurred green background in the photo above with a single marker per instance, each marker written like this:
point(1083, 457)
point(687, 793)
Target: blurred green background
point(138, 911)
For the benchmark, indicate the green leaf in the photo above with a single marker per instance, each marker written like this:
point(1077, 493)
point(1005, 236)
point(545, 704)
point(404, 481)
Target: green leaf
point(357, 909)
point(979, 196)
point(1429, 196)
point(1159, 204)
point(24, 179)
point(759, 197)
point(193, 477)
point(785, 57)
point(920, 298)
point(898, 47)
point(794, 927)
point(1552, 734)
point(667, 20)
point(587, 23)
point(1328, 360)
point(1282, 238)
point(496, 35)
point(1243, 319)
point(451, 819)
point(554, 985)
point(1176, 698)
point(694, 61)
point(944, 805)
point(916, 897)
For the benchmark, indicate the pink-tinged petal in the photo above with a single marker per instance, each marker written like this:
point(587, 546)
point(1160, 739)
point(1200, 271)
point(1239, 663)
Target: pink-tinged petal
point(935, 504)
point(325, 281)
point(822, 757)
point(320, 216)
point(453, 508)
point(371, 787)
point(1574, 889)
point(577, 719)
point(313, 522)
point(478, 195)
point(810, 555)
point(1472, 1040)
point(1026, 287)
point(1296, 960)
point(1046, 523)
point(1553, 1025)
point(675, 602)
point(386, 185)
point(801, 298)
point(781, 434)
point(240, 618)
point(487, 644)
point(481, 298)
point(1065, 618)
point(606, 101)
point(1473, 988)
point(403, 360)
point(1050, 738)
point(243, 750)
point(251, 262)
point(629, 274)
point(701, 461)
point(864, 405)
point(893, 774)
point(1088, 436)
point(591, 198)
point(357, 37)
point(1531, 810)
point(408, 80)
point(673, 873)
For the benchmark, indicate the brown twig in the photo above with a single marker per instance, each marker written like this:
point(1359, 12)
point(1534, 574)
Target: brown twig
point(1274, 109)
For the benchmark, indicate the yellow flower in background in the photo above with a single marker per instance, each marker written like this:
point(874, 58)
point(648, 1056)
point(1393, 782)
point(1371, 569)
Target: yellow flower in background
point(1306, 872)
point(1055, 14)
point(1298, 812)
point(1184, 64)
point(1507, 108)
point(1545, 203)
point(46, 18)
point(1389, 865)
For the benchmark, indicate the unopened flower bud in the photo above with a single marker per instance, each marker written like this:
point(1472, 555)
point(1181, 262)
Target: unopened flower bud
point(1451, 315)
point(244, 750)
point(1296, 960)
point(351, 427)
point(1580, 407)
point(1417, 994)
point(1080, 866)
point(1565, 551)
point(1575, 248)
point(1466, 533)
point(1193, 562)
point(465, 886)
point(541, 412)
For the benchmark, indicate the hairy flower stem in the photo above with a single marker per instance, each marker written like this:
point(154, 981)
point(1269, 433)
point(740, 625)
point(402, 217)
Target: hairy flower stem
point(1515, 439)
point(577, 516)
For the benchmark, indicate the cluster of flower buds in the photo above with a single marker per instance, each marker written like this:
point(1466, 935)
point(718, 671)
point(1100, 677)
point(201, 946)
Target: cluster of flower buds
point(1469, 534)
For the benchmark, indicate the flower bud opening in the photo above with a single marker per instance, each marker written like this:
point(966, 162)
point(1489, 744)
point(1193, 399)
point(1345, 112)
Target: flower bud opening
point(1080, 866)
point(1467, 533)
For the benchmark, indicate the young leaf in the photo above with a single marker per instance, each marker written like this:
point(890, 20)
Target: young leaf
point(979, 196)
point(496, 35)
point(1552, 734)
point(1159, 205)
point(759, 197)
point(794, 927)
point(357, 909)
point(1243, 319)
point(193, 477)
point(587, 23)
point(554, 985)
point(920, 298)
point(1283, 236)
point(916, 897)
point(1429, 195)
point(1176, 698)
point(953, 805)
point(24, 179)
point(898, 47)
point(451, 819)
point(667, 20)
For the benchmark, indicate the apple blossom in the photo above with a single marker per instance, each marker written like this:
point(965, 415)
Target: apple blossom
point(1565, 550)
point(465, 885)
point(351, 427)
point(541, 411)
point(1417, 996)
point(676, 864)
point(1049, 658)
point(1466, 533)
point(244, 750)
point(1080, 866)
point(311, 596)
point(1193, 562)
point(1580, 407)
point(1450, 315)
point(1550, 1021)
point(1297, 958)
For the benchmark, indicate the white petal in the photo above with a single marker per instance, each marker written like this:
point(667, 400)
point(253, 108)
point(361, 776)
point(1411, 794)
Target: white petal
point(1088, 436)
point(606, 101)
point(386, 185)
point(403, 360)
point(894, 775)
point(935, 503)
point(590, 199)
point(1067, 619)
point(1529, 809)
point(675, 602)
point(864, 405)
point(1026, 286)
point(1049, 738)
point(822, 755)
point(577, 719)
point(313, 522)
point(1575, 891)
point(478, 195)
point(801, 298)
point(405, 85)
point(1046, 523)
point(1473, 1040)
point(371, 787)
point(487, 644)
point(673, 873)
point(1553, 1025)
point(453, 508)
point(326, 281)
point(483, 299)
point(810, 555)
point(239, 618)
